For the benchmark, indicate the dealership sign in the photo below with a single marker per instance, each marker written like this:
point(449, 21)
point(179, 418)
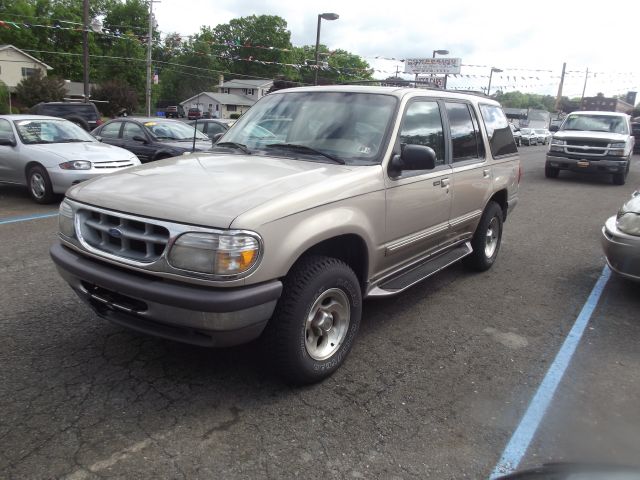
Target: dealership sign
point(439, 65)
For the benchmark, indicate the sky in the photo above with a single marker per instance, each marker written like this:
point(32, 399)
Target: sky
point(517, 37)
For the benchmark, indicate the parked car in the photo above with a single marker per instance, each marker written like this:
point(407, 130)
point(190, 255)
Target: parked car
point(194, 113)
point(152, 138)
point(621, 239)
point(517, 136)
point(49, 154)
point(635, 131)
point(210, 127)
point(544, 135)
point(592, 142)
point(174, 111)
point(529, 136)
point(85, 115)
point(369, 191)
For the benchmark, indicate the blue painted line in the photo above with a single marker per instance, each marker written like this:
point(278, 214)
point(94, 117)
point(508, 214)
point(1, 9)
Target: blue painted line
point(27, 217)
point(521, 438)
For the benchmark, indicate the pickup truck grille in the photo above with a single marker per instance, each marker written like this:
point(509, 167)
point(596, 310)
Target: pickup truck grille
point(137, 240)
point(589, 143)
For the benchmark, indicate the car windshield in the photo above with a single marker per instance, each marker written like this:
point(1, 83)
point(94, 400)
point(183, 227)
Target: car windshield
point(596, 123)
point(526, 131)
point(541, 132)
point(349, 127)
point(34, 131)
point(168, 130)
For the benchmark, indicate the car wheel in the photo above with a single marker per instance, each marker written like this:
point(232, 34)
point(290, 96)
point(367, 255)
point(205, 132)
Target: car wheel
point(316, 320)
point(621, 178)
point(551, 172)
point(39, 185)
point(486, 239)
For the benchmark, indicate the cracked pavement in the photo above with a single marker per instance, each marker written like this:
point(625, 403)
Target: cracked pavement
point(436, 382)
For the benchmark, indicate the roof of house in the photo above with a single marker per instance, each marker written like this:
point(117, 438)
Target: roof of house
point(223, 98)
point(5, 47)
point(242, 83)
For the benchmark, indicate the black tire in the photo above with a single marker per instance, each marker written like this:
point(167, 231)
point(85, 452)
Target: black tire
point(551, 172)
point(39, 185)
point(490, 226)
point(289, 339)
point(621, 178)
point(81, 122)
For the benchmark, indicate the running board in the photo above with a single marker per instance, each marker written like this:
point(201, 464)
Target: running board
point(419, 272)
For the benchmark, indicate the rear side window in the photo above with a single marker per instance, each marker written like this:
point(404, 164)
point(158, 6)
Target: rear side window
point(422, 125)
point(500, 137)
point(463, 134)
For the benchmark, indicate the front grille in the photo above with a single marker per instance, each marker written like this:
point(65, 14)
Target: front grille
point(587, 151)
point(113, 164)
point(137, 240)
point(589, 143)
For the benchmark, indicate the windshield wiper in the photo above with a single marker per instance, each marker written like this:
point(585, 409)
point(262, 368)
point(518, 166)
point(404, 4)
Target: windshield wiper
point(70, 140)
point(239, 146)
point(304, 148)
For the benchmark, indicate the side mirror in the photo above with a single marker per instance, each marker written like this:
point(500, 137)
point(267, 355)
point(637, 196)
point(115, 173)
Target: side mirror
point(553, 128)
point(98, 137)
point(216, 137)
point(8, 142)
point(413, 157)
point(138, 138)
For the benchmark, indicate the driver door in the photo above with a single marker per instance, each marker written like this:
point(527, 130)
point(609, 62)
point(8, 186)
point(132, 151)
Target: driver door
point(10, 168)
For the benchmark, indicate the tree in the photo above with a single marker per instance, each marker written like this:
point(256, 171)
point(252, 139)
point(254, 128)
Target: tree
point(36, 89)
point(4, 98)
point(118, 95)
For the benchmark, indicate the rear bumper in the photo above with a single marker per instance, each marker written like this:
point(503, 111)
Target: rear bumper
point(213, 317)
point(589, 165)
point(621, 250)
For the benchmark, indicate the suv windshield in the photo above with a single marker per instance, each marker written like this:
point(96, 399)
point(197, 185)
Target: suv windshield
point(51, 131)
point(173, 130)
point(349, 127)
point(596, 123)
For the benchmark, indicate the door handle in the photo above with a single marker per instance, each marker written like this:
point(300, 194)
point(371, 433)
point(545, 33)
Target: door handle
point(486, 172)
point(444, 183)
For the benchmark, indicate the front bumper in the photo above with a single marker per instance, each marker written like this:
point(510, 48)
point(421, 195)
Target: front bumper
point(213, 317)
point(62, 180)
point(588, 164)
point(622, 251)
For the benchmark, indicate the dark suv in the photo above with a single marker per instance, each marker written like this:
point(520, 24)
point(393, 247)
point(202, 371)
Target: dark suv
point(85, 115)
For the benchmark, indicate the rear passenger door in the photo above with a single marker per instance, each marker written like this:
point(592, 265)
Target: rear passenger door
point(471, 172)
point(418, 202)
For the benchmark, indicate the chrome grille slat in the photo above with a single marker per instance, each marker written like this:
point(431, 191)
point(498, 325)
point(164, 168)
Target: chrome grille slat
point(128, 233)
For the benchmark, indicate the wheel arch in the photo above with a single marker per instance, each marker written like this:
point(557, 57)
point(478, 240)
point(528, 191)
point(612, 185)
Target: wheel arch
point(501, 198)
point(29, 166)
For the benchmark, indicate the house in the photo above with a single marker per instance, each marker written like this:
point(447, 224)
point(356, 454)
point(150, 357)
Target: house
point(254, 89)
point(219, 105)
point(602, 103)
point(15, 65)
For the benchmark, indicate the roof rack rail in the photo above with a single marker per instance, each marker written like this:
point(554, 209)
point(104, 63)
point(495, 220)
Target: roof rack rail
point(400, 83)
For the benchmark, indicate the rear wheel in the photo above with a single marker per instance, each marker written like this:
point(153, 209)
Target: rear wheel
point(39, 185)
point(487, 239)
point(551, 172)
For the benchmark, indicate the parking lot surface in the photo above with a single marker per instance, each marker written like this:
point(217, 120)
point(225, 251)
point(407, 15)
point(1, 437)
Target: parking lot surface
point(437, 381)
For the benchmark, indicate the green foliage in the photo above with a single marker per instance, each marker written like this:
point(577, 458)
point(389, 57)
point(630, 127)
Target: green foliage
point(4, 98)
point(36, 89)
point(526, 100)
point(119, 95)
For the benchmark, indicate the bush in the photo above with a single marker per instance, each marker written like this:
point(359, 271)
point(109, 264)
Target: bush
point(119, 95)
point(35, 89)
point(4, 98)
point(234, 116)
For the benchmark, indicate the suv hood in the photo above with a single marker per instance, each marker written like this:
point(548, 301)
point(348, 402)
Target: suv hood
point(92, 151)
point(580, 135)
point(207, 189)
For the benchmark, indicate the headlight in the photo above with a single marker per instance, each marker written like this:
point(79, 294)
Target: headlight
point(66, 222)
point(555, 141)
point(218, 254)
point(628, 223)
point(76, 165)
point(618, 145)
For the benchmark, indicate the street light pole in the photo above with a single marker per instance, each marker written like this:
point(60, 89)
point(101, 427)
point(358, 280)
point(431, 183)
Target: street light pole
point(149, 46)
point(326, 16)
point(493, 69)
point(439, 52)
point(85, 49)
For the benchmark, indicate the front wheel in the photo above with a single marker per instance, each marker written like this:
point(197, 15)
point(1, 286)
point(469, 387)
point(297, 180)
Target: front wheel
point(487, 238)
point(621, 178)
point(551, 172)
point(316, 320)
point(39, 184)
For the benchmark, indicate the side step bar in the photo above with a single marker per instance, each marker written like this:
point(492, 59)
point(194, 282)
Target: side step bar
point(407, 278)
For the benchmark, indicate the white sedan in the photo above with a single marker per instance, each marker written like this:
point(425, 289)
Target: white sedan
point(49, 154)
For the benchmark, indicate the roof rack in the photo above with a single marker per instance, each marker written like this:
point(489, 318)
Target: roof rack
point(400, 83)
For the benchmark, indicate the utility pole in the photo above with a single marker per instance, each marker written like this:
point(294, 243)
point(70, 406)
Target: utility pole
point(559, 96)
point(85, 49)
point(586, 76)
point(149, 47)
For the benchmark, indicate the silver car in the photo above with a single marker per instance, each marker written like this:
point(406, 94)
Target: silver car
point(621, 239)
point(49, 154)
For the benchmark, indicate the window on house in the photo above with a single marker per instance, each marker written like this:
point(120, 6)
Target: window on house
point(29, 72)
point(231, 108)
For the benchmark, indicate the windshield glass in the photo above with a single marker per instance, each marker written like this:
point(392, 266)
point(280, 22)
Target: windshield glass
point(164, 130)
point(51, 131)
point(596, 123)
point(348, 126)
point(542, 132)
point(526, 131)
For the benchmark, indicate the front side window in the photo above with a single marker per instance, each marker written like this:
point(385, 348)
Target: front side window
point(111, 130)
point(422, 125)
point(5, 129)
point(501, 139)
point(463, 135)
point(131, 130)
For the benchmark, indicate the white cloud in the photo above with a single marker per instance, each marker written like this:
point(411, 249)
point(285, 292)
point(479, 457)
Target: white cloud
point(506, 34)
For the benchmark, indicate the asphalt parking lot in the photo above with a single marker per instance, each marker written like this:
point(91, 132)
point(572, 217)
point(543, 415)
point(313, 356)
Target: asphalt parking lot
point(437, 382)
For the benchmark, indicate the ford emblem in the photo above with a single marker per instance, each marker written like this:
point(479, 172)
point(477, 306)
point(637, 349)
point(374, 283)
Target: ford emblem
point(114, 232)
